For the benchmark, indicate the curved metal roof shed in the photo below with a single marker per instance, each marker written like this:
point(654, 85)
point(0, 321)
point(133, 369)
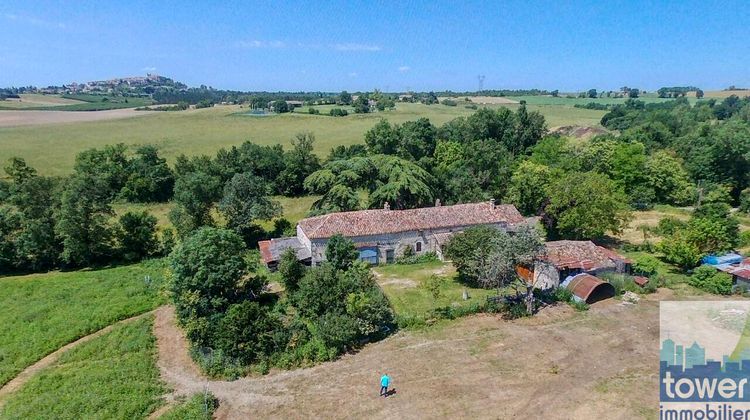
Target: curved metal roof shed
point(590, 289)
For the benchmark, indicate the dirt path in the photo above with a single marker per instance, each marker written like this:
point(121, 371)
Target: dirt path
point(22, 118)
point(23, 377)
point(560, 364)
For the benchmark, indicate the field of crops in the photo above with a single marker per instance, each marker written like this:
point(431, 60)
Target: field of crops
point(42, 312)
point(52, 148)
point(82, 102)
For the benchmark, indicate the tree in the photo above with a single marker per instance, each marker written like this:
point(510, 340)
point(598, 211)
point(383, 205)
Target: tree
point(137, 235)
point(585, 206)
point(209, 272)
point(299, 163)
point(634, 93)
point(361, 105)
point(403, 184)
point(668, 178)
point(291, 270)
point(110, 165)
point(345, 98)
point(341, 252)
point(150, 179)
point(83, 221)
point(247, 332)
point(699, 94)
point(194, 194)
point(383, 138)
point(745, 201)
point(528, 187)
point(592, 93)
point(707, 278)
point(280, 106)
point(417, 139)
point(679, 251)
point(462, 248)
point(9, 219)
point(245, 201)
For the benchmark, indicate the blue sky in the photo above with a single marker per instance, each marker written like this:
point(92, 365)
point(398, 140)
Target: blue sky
point(361, 45)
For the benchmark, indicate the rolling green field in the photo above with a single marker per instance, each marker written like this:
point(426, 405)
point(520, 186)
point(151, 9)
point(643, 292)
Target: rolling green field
point(42, 312)
point(82, 102)
point(563, 101)
point(52, 148)
point(113, 376)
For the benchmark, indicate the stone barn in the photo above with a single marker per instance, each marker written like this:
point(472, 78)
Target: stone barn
point(383, 235)
point(564, 259)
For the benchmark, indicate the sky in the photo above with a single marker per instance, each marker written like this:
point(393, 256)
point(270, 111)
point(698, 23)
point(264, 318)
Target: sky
point(362, 45)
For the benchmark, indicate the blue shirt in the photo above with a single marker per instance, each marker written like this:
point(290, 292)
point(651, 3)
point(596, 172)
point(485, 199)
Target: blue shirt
point(385, 380)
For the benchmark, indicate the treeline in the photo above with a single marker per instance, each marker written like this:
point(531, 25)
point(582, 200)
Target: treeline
point(678, 91)
point(69, 222)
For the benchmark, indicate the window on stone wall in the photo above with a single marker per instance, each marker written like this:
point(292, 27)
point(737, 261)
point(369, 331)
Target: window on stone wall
point(418, 247)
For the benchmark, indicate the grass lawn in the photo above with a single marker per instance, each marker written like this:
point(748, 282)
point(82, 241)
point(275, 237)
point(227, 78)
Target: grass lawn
point(404, 287)
point(110, 377)
point(42, 312)
point(52, 148)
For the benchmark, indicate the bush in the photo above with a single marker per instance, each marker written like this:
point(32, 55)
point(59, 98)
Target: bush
point(579, 306)
point(646, 265)
point(745, 201)
point(711, 280)
point(313, 111)
point(449, 102)
point(137, 236)
point(745, 238)
point(472, 106)
point(418, 259)
point(679, 252)
point(669, 225)
point(338, 112)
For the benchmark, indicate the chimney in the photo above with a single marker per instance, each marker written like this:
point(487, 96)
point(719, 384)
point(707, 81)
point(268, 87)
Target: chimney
point(492, 203)
point(437, 202)
point(386, 206)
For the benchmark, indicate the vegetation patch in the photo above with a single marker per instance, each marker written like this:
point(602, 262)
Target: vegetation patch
point(43, 312)
point(198, 407)
point(112, 376)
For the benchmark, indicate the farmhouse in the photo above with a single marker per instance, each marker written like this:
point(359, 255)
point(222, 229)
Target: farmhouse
point(382, 235)
point(564, 259)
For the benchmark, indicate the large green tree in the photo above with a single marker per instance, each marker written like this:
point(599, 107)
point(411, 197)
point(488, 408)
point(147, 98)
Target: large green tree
point(245, 201)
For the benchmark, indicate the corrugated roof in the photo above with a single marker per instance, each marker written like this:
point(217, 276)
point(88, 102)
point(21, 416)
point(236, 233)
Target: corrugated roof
point(381, 221)
point(580, 254)
point(590, 289)
point(271, 251)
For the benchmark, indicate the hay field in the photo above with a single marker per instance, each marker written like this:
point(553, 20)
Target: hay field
point(51, 148)
point(33, 118)
point(28, 100)
point(721, 94)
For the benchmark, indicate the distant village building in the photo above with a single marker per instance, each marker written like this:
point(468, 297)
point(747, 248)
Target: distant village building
point(383, 235)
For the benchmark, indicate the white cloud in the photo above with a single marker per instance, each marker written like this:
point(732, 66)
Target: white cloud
point(350, 46)
point(34, 21)
point(353, 74)
point(261, 44)
point(404, 69)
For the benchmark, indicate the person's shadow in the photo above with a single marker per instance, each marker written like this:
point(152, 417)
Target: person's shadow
point(390, 392)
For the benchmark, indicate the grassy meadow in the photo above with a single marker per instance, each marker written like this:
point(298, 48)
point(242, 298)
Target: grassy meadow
point(113, 376)
point(405, 287)
point(42, 312)
point(197, 407)
point(52, 148)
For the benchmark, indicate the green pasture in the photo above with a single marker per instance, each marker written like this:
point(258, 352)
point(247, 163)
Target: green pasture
point(82, 102)
point(43, 312)
point(113, 376)
point(52, 148)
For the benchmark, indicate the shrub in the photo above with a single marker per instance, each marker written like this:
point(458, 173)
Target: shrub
point(669, 225)
point(418, 259)
point(449, 102)
point(646, 265)
point(745, 201)
point(137, 235)
point(710, 280)
point(745, 238)
point(679, 252)
point(338, 112)
point(579, 306)
point(313, 111)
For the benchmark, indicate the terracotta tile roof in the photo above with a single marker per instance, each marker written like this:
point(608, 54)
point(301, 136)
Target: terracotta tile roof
point(580, 254)
point(375, 222)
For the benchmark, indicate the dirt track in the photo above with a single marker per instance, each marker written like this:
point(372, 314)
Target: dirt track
point(21, 118)
point(559, 364)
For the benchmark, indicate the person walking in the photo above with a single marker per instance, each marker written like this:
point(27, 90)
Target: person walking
point(385, 380)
